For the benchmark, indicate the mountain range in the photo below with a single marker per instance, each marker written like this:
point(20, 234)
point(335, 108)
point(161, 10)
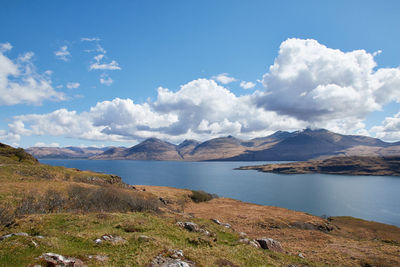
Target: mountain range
point(300, 145)
point(65, 152)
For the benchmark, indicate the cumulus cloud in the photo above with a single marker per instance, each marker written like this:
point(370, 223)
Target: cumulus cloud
point(200, 109)
point(73, 85)
point(21, 83)
point(247, 85)
point(327, 87)
point(63, 53)
point(224, 78)
point(308, 85)
point(97, 65)
point(389, 130)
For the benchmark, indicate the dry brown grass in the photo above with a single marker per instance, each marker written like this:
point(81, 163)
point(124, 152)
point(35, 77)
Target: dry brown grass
point(351, 243)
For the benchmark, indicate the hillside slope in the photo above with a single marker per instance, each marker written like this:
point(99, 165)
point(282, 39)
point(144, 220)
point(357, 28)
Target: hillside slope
point(96, 220)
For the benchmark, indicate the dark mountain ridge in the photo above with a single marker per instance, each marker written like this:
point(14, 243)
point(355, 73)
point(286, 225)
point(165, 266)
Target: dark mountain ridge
point(300, 145)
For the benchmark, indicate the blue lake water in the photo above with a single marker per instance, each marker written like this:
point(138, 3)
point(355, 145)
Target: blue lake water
point(374, 198)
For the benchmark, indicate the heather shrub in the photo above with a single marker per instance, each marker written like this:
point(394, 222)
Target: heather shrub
point(86, 199)
point(201, 196)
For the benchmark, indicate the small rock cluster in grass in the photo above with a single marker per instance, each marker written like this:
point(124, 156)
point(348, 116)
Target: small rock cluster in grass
point(110, 238)
point(192, 227)
point(172, 258)
point(53, 259)
point(227, 225)
point(264, 243)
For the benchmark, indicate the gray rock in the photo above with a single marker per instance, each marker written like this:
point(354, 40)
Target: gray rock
point(192, 227)
point(254, 244)
point(270, 244)
point(227, 225)
point(161, 261)
point(216, 221)
point(53, 259)
point(13, 234)
point(176, 253)
point(110, 238)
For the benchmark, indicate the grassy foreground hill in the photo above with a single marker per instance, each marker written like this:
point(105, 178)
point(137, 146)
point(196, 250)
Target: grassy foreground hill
point(98, 220)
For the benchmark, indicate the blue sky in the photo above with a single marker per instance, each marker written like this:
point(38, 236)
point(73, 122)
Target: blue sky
point(210, 48)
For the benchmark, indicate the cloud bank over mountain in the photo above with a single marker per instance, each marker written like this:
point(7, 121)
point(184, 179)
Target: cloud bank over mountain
point(308, 84)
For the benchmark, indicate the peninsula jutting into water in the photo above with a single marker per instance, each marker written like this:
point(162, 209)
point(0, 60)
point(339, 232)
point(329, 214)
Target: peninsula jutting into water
point(355, 165)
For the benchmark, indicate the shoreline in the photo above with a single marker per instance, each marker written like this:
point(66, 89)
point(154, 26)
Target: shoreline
point(353, 166)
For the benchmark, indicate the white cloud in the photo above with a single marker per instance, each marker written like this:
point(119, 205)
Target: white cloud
point(389, 130)
point(106, 80)
point(113, 65)
point(4, 47)
point(309, 84)
point(377, 53)
point(27, 57)
point(327, 87)
point(41, 144)
point(20, 83)
point(90, 39)
point(200, 109)
point(224, 78)
point(9, 137)
point(247, 85)
point(63, 53)
point(73, 85)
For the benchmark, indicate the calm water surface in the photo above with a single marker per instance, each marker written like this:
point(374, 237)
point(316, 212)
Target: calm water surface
point(369, 197)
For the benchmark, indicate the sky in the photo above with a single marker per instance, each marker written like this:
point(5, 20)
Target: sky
point(101, 73)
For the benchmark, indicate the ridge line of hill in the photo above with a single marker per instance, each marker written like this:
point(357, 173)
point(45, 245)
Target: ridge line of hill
point(280, 146)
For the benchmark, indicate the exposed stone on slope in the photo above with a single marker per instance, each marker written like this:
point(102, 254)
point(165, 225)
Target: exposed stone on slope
point(57, 260)
point(270, 244)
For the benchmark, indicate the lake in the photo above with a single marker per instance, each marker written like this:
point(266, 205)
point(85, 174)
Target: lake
point(374, 198)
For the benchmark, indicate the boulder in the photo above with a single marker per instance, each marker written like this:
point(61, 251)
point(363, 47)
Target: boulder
point(249, 242)
point(192, 227)
point(53, 259)
point(270, 244)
